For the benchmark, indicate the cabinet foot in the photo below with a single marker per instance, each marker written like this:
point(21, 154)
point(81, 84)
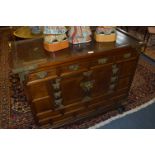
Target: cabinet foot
point(121, 109)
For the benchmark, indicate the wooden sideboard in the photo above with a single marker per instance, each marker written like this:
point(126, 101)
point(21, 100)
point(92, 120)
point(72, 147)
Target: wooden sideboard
point(77, 82)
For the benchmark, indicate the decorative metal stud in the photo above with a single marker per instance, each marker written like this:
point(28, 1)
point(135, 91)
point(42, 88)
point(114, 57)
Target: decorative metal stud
point(115, 70)
point(57, 94)
point(57, 80)
point(113, 79)
point(58, 102)
point(56, 86)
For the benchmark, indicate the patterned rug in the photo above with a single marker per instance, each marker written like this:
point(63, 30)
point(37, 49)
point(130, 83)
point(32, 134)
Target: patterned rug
point(15, 112)
point(4, 81)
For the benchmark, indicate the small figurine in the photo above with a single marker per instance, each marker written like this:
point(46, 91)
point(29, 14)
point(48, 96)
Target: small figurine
point(55, 38)
point(105, 34)
point(79, 34)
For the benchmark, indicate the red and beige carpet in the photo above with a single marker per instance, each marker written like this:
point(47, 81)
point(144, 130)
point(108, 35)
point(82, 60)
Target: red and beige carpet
point(15, 112)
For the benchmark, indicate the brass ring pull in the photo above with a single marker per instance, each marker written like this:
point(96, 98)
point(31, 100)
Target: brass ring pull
point(58, 102)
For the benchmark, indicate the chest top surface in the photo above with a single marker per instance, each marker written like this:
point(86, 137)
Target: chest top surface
point(30, 53)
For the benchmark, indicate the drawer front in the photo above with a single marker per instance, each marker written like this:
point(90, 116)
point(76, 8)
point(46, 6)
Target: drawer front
point(98, 102)
point(48, 114)
point(102, 60)
point(38, 90)
point(42, 105)
point(62, 120)
point(74, 109)
point(126, 55)
point(74, 67)
point(46, 74)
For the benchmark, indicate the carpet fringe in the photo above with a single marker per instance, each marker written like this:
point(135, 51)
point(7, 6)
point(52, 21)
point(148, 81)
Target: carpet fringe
point(122, 115)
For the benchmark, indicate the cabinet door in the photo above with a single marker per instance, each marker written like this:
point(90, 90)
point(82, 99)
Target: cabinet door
point(127, 68)
point(101, 76)
point(39, 90)
point(41, 96)
point(71, 88)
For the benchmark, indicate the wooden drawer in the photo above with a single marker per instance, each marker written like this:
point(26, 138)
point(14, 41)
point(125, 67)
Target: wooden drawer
point(126, 55)
point(42, 75)
point(100, 102)
point(49, 113)
point(42, 105)
point(38, 90)
point(74, 67)
point(74, 109)
point(101, 61)
point(97, 104)
point(62, 120)
point(119, 99)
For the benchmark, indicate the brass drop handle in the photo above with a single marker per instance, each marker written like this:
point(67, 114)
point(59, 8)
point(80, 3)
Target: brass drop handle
point(102, 61)
point(74, 67)
point(127, 55)
point(41, 75)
